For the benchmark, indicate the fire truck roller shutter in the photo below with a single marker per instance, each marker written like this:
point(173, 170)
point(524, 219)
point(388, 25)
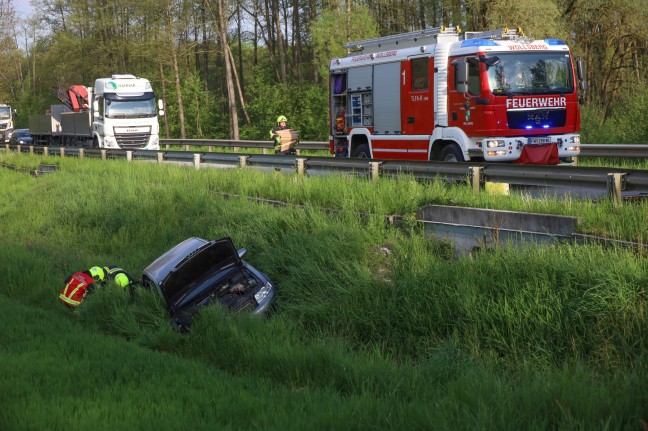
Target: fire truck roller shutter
point(360, 78)
point(387, 109)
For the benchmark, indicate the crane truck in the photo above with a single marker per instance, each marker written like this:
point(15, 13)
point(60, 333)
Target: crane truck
point(437, 94)
point(119, 112)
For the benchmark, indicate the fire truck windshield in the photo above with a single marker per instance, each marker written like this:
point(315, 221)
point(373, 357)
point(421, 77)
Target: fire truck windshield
point(531, 73)
point(5, 112)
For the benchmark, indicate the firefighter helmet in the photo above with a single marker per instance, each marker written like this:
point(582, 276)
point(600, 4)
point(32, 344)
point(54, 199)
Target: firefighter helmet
point(281, 118)
point(97, 273)
point(122, 280)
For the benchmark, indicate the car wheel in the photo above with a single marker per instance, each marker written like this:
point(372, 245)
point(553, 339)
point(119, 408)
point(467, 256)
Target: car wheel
point(451, 153)
point(362, 151)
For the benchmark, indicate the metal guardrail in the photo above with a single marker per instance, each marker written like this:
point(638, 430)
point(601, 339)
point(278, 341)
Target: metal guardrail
point(230, 143)
point(613, 181)
point(614, 150)
point(587, 150)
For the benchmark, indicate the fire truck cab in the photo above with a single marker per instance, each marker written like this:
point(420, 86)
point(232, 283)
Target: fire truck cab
point(434, 94)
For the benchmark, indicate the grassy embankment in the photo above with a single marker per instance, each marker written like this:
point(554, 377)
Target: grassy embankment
point(550, 337)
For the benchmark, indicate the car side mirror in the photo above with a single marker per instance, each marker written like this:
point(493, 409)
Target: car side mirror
point(241, 252)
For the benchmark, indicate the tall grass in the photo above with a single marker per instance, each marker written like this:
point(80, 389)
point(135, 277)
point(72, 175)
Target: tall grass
point(380, 320)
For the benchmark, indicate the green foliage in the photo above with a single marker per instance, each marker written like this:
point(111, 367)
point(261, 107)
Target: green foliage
point(628, 123)
point(329, 33)
point(304, 106)
point(538, 19)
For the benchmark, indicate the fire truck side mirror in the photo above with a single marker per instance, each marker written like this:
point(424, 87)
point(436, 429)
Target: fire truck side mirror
point(461, 75)
point(160, 108)
point(580, 70)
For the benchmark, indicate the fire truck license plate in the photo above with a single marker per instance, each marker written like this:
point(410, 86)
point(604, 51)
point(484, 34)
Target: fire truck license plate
point(539, 141)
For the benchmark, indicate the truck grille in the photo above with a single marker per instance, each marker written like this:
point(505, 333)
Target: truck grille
point(537, 119)
point(134, 140)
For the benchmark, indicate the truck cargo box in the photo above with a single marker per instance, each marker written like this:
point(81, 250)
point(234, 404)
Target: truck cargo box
point(47, 124)
point(76, 124)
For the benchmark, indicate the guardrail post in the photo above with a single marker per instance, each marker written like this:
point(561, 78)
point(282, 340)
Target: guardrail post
point(167, 146)
point(264, 151)
point(375, 170)
point(243, 161)
point(62, 151)
point(186, 147)
point(197, 160)
point(476, 177)
point(129, 155)
point(301, 165)
point(103, 155)
point(8, 148)
point(297, 151)
point(46, 151)
point(31, 149)
point(81, 153)
point(160, 158)
point(574, 160)
point(615, 186)
point(18, 149)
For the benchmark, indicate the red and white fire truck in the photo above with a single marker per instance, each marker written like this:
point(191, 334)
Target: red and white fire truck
point(435, 94)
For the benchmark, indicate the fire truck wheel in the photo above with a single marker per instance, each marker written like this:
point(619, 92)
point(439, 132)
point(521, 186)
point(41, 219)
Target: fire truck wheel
point(451, 153)
point(362, 151)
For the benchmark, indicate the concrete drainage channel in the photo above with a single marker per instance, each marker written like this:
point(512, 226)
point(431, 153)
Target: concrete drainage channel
point(471, 229)
point(41, 170)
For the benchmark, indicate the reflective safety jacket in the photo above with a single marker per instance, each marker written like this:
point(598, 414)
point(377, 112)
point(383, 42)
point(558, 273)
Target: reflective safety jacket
point(75, 288)
point(113, 271)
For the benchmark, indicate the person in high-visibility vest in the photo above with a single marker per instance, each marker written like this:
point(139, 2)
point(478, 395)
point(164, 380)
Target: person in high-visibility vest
point(119, 276)
point(282, 124)
point(79, 284)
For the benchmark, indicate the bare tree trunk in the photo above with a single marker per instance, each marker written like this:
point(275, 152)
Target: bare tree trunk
point(164, 99)
point(231, 96)
point(348, 20)
point(240, 91)
point(280, 45)
point(240, 44)
point(176, 71)
point(297, 41)
point(313, 16)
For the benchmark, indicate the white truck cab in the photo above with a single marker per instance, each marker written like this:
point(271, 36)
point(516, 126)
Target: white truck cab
point(6, 121)
point(125, 113)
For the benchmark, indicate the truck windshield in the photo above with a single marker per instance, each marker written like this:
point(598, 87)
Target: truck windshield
point(138, 108)
point(5, 112)
point(531, 73)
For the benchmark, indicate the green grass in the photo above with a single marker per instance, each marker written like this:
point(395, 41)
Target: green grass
point(532, 338)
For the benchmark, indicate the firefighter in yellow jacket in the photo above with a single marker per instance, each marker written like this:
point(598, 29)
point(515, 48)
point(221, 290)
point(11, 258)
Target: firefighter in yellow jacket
point(282, 124)
point(80, 284)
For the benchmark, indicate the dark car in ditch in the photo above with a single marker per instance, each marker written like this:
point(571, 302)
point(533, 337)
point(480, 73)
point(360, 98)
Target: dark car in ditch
point(198, 272)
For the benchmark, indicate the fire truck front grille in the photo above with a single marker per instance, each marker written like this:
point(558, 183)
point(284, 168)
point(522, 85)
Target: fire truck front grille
point(133, 140)
point(537, 119)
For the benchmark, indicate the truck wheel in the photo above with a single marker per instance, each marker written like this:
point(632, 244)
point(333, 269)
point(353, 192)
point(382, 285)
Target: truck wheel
point(362, 151)
point(451, 153)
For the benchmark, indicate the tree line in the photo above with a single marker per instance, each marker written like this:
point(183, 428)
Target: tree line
point(228, 68)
